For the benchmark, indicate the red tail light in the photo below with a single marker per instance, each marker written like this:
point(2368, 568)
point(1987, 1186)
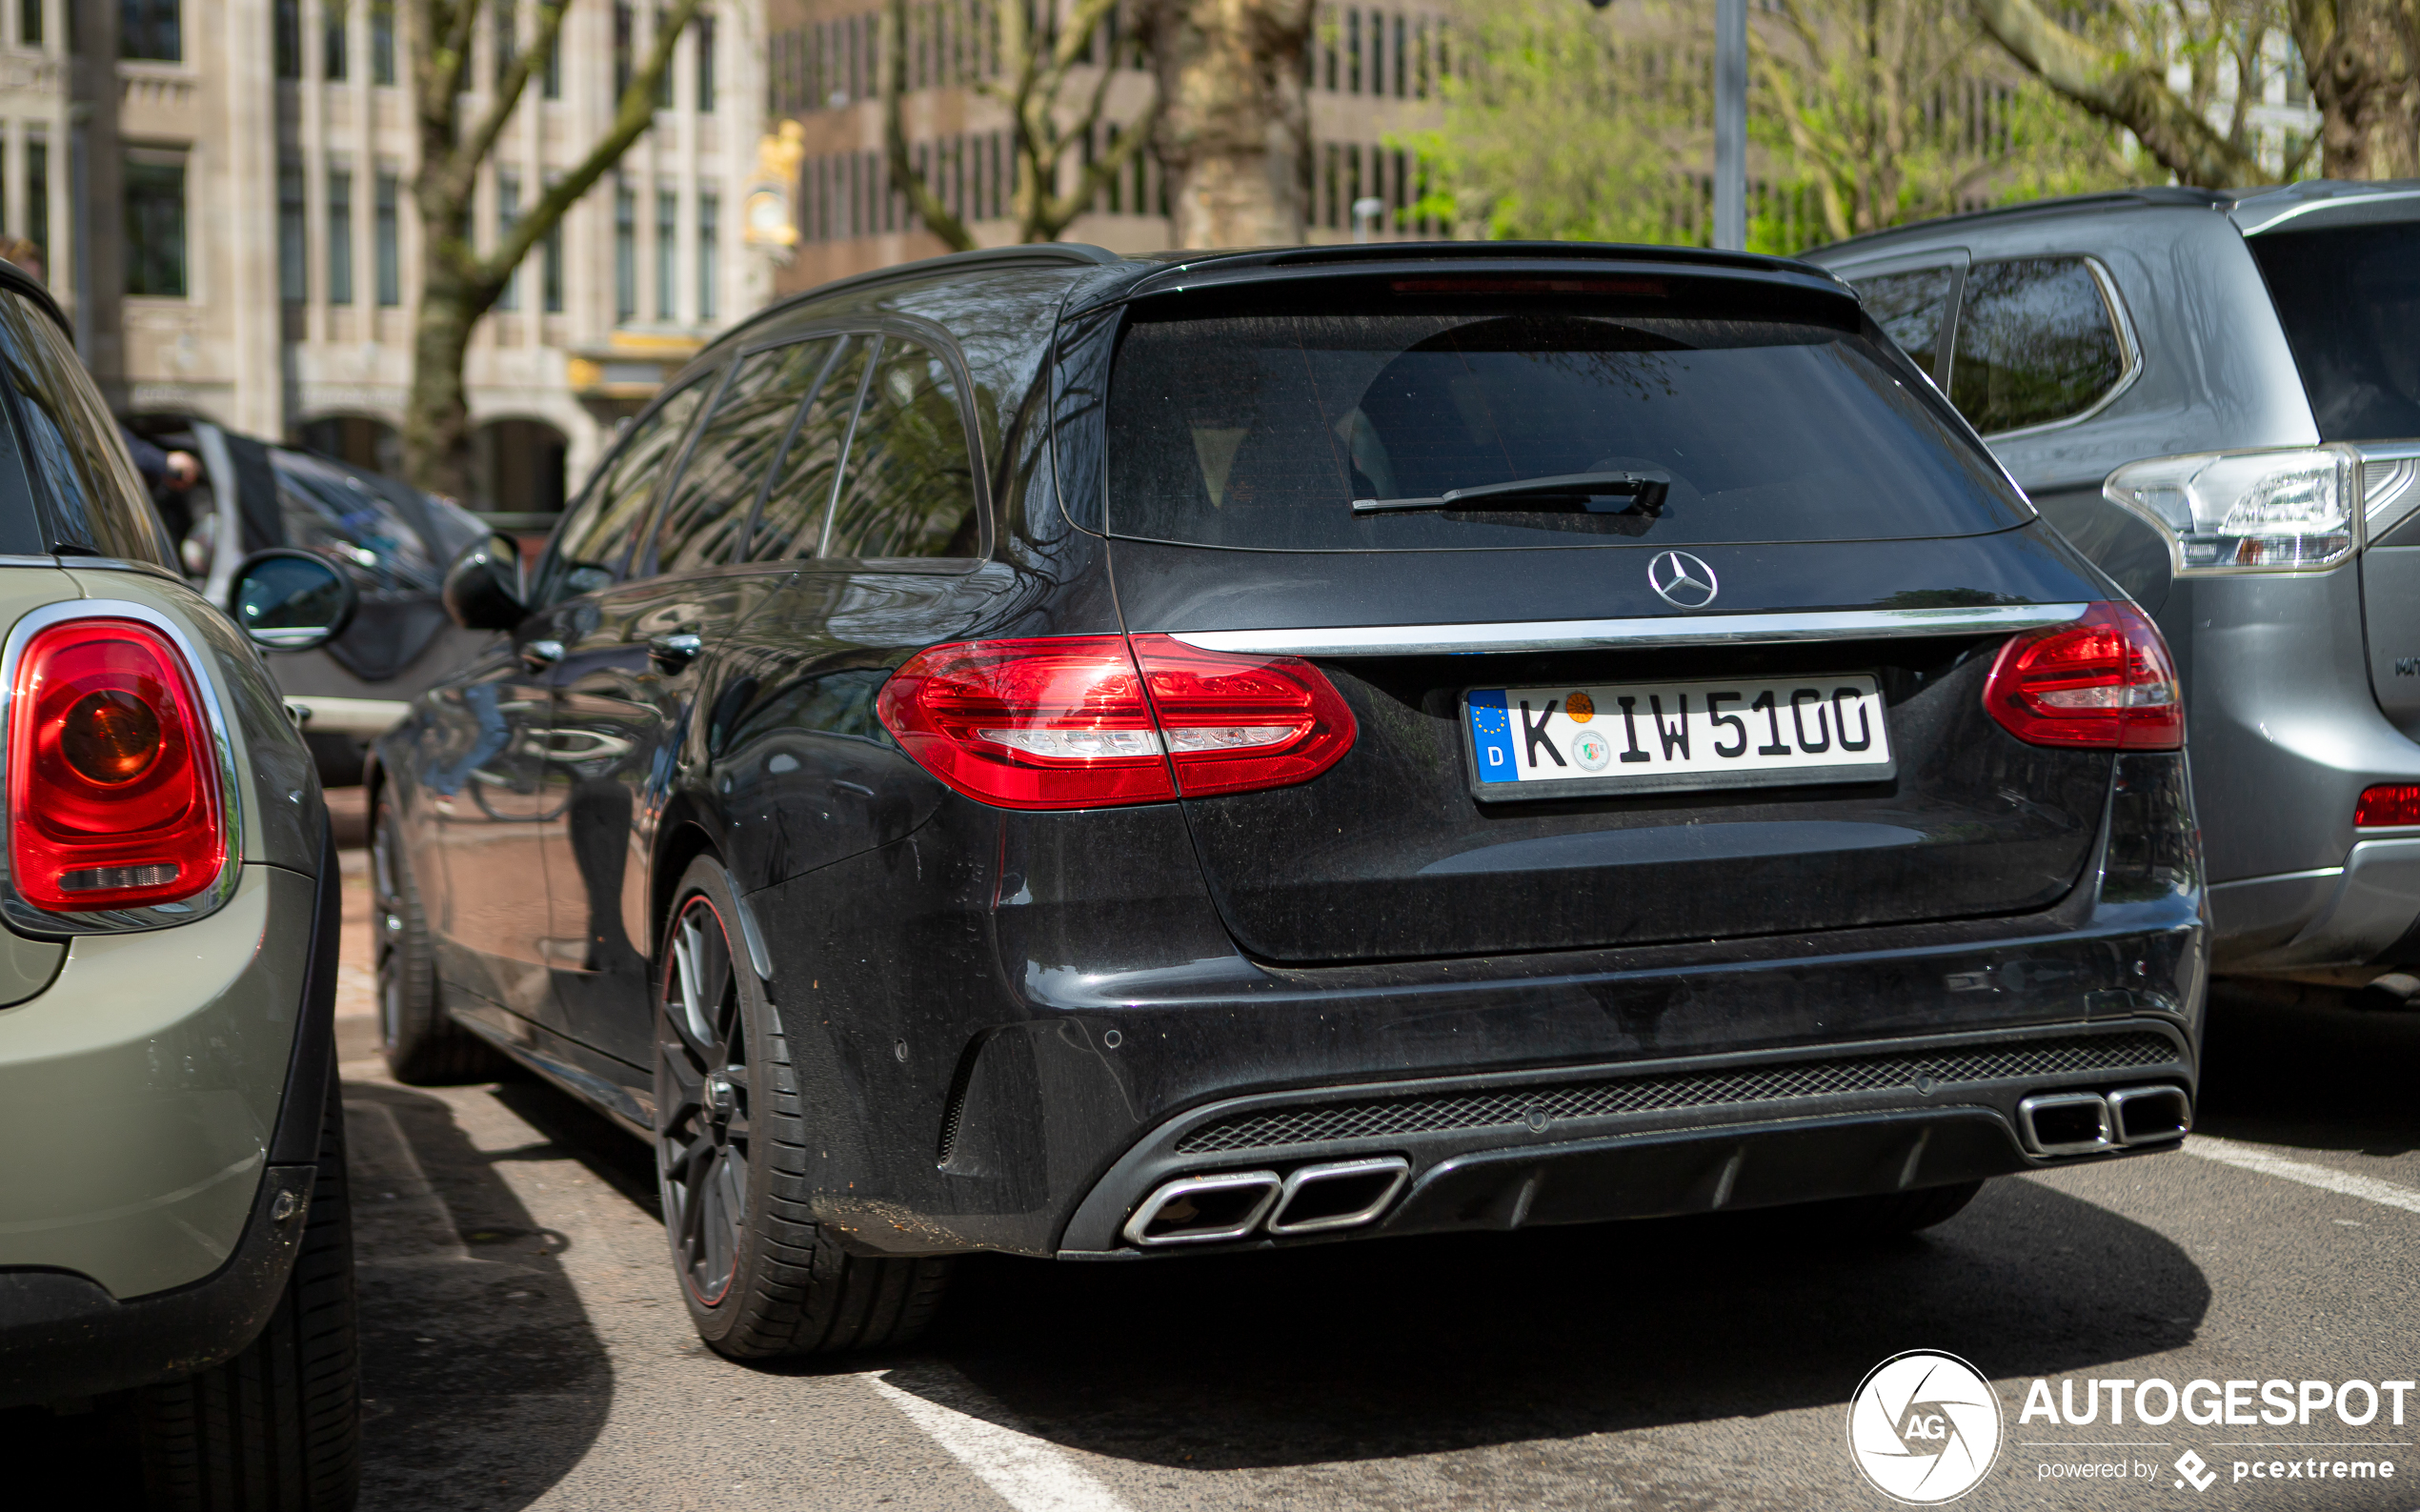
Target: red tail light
point(113, 797)
point(2393, 806)
point(2103, 680)
point(1074, 722)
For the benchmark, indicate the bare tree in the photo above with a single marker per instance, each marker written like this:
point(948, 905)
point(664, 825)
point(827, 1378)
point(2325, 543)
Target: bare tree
point(1032, 75)
point(2358, 58)
point(457, 284)
point(1233, 130)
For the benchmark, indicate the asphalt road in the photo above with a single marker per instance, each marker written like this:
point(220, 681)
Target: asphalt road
point(526, 1347)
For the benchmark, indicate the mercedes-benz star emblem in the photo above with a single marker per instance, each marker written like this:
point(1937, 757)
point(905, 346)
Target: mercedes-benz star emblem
point(1681, 580)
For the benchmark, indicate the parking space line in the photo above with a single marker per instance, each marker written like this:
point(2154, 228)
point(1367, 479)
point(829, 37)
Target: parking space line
point(2248, 1157)
point(1029, 1474)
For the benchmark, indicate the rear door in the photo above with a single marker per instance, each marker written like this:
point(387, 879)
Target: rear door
point(1746, 701)
point(634, 654)
point(2349, 297)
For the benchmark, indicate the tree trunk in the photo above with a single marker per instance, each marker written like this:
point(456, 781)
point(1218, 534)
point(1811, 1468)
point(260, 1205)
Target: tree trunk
point(437, 415)
point(1233, 130)
point(2363, 60)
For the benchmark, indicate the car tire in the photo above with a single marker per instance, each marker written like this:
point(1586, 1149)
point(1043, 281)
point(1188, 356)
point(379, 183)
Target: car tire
point(758, 1276)
point(423, 1048)
point(278, 1427)
point(1898, 1212)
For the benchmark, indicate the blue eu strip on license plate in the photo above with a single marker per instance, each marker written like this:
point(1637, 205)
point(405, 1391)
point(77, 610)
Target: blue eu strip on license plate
point(1569, 742)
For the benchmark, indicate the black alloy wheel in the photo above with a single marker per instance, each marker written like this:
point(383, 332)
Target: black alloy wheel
point(703, 1125)
point(758, 1274)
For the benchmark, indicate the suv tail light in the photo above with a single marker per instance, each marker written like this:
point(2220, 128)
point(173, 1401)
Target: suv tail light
point(2291, 510)
point(1078, 722)
point(113, 797)
point(2391, 806)
point(2102, 680)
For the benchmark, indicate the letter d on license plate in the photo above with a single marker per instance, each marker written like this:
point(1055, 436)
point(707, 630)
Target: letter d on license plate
point(1628, 738)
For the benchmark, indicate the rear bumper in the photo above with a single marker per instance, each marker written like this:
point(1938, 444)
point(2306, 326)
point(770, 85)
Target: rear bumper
point(1652, 1139)
point(2364, 913)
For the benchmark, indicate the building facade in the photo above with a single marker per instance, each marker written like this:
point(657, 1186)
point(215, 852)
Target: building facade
point(1374, 74)
point(259, 156)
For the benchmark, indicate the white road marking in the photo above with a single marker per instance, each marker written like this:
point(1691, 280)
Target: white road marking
point(1029, 1474)
point(2250, 1158)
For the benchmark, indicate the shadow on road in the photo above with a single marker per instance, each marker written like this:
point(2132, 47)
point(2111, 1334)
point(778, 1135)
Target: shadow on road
point(2299, 1066)
point(1418, 1347)
point(483, 1381)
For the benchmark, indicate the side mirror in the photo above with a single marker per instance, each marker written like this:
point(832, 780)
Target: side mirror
point(483, 587)
point(291, 600)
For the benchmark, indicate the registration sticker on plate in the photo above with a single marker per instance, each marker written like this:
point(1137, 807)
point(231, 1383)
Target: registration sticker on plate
point(1561, 742)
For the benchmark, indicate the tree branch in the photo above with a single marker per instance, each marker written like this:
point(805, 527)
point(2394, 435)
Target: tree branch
point(921, 199)
point(2120, 90)
point(632, 117)
point(481, 141)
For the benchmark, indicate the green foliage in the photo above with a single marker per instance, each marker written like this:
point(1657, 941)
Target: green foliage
point(1562, 122)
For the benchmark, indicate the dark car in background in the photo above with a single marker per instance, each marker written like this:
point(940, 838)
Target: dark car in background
point(1101, 758)
point(2216, 397)
point(394, 542)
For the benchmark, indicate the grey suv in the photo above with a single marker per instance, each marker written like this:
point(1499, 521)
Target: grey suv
point(2216, 397)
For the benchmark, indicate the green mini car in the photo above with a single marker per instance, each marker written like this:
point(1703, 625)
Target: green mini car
point(174, 1239)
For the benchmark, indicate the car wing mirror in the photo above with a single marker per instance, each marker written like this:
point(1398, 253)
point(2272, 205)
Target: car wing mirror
point(291, 600)
point(483, 587)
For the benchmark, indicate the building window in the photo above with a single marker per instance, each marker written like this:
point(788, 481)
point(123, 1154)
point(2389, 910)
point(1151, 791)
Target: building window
point(390, 236)
point(382, 42)
point(704, 29)
point(625, 253)
point(154, 219)
point(552, 75)
point(339, 237)
point(37, 203)
point(293, 283)
point(624, 22)
point(146, 29)
point(709, 212)
point(508, 212)
point(286, 37)
point(335, 44)
point(30, 22)
point(508, 37)
point(667, 255)
point(663, 80)
point(551, 267)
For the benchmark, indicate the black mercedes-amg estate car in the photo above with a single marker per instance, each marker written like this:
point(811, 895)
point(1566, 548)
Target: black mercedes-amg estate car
point(1106, 757)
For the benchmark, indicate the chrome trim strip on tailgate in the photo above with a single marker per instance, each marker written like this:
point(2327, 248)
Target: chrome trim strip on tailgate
point(1589, 635)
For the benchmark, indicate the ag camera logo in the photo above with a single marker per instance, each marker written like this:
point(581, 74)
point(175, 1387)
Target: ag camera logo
point(1924, 1427)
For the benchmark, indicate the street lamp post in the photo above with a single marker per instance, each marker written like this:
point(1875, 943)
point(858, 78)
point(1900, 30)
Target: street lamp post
point(1730, 124)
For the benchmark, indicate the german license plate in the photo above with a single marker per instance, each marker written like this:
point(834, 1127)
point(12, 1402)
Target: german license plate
point(1622, 737)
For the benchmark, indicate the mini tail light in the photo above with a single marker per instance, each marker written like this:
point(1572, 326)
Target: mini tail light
point(2103, 680)
point(2385, 807)
point(1076, 722)
point(113, 797)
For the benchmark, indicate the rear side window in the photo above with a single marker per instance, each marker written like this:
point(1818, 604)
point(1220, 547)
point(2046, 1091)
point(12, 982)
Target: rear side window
point(96, 499)
point(2037, 342)
point(1260, 430)
point(910, 485)
point(702, 524)
point(791, 522)
point(2349, 300)
point(591, 546)
point(1910, 307)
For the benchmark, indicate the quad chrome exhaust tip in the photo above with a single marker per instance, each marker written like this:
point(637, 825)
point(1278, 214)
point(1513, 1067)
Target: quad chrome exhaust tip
point(2089, 1122)
point(1203, 1209)
point(1342, 1194)
point(2150, 1115)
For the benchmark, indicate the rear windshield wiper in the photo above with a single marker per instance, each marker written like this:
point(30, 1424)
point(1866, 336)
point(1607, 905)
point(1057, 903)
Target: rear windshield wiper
point(1648, 485)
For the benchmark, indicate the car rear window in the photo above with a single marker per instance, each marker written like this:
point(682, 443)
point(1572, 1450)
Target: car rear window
point(1259, 430)
point(2349, 300)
